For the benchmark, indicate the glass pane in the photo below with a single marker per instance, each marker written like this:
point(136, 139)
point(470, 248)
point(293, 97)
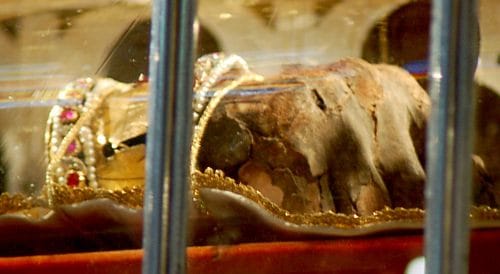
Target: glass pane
point(67, 129)
point(309, 136)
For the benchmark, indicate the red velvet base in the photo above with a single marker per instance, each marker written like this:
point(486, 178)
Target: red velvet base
point(382, 254)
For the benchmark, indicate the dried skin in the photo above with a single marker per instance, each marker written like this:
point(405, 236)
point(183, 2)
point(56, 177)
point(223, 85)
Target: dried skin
point(350, 126)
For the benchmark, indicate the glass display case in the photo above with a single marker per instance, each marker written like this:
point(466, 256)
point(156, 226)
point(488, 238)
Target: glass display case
point(260, 136)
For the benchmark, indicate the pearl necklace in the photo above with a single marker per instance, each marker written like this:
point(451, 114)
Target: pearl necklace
point(209, 70)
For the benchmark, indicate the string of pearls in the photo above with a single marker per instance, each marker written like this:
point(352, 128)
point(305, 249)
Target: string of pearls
point(209, 70)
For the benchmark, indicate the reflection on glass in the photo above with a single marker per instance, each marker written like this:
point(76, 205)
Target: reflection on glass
point(310, 120)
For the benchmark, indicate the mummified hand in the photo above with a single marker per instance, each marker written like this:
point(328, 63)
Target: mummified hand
point(347, 137)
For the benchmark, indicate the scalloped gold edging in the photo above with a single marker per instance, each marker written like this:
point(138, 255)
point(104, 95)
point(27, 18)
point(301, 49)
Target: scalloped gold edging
point(217, 180)
point(64, 195)
point(133, 198)
point(17, 202)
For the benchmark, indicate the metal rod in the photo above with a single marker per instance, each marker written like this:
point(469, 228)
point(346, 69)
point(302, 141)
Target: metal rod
point(169, 137)
point(454, 46)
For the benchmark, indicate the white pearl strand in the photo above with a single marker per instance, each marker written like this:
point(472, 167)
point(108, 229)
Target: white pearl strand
point(87, 139)
point(208, 70)
point(213, 67)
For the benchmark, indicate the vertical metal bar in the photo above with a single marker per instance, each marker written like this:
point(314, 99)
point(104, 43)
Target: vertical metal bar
point(169, 137)
point(454, 48)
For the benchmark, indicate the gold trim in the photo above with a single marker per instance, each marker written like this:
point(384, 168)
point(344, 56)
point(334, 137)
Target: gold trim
point(133, 198)
point(64, 195)
point(216, 179)
point(130, 197)
point(17, 202)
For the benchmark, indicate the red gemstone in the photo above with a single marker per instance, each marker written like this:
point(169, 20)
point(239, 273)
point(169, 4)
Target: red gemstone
point(72, 148)
point(73, 179)
point(68, 115)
